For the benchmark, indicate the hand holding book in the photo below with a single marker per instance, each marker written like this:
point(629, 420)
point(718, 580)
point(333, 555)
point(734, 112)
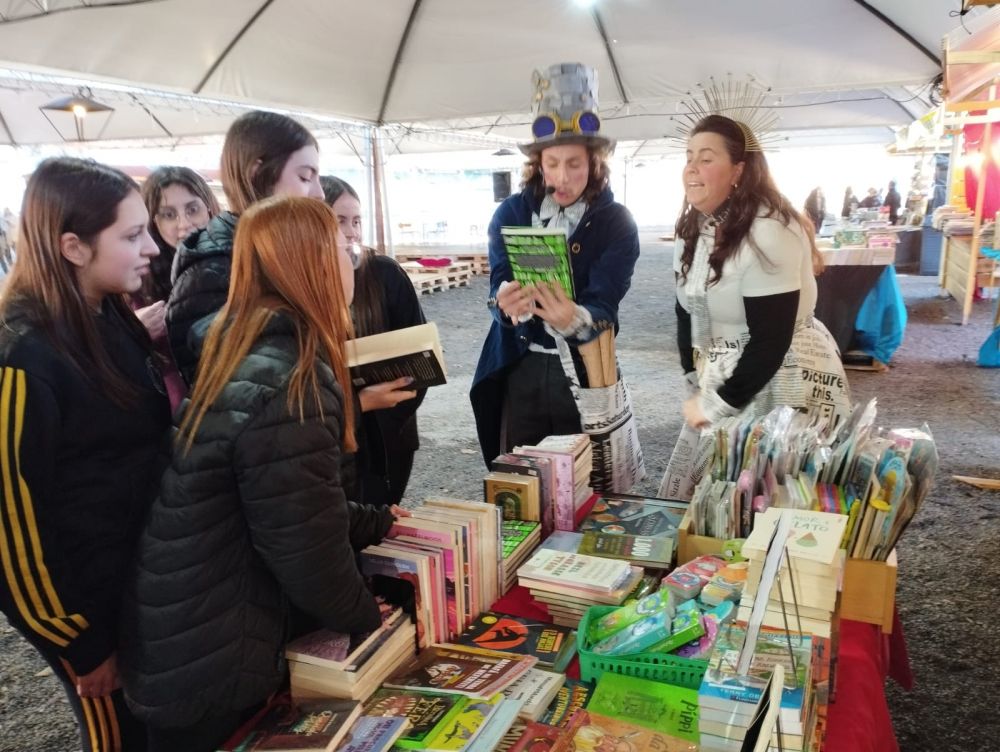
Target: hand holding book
point(388, 394)
point(553, 305)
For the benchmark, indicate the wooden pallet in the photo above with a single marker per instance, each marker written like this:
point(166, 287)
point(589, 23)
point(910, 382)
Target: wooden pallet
point(428, 280)
point(479, 263)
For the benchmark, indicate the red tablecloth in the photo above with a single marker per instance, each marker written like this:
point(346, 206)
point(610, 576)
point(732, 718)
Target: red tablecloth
point(858, 720)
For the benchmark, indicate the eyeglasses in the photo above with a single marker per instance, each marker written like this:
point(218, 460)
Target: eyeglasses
point(583, 123)
point(192, 211)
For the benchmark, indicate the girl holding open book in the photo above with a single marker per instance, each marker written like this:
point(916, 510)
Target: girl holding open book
point(384, 301)
point(252, 528)
point(520, 393)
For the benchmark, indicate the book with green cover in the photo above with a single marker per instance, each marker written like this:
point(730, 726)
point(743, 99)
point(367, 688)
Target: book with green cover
point(462, 729)
point(427, 712)
point(662, 707)
point(516, 532)
point(538, 255)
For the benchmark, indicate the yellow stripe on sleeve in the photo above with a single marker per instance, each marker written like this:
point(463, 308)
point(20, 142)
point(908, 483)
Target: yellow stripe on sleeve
point(55, 627)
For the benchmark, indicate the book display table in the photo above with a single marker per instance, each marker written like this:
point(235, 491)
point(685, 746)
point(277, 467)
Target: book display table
point(858, 720)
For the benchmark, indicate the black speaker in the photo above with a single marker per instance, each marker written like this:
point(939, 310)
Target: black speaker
point(501, 185)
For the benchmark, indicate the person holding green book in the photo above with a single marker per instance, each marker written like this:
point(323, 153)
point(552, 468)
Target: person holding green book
point(520, 393)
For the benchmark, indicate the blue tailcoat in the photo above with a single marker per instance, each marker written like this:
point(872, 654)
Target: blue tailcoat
point(605, 247)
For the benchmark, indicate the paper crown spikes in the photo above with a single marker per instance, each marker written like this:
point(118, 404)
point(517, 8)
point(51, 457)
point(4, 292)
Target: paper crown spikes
point(565, 108)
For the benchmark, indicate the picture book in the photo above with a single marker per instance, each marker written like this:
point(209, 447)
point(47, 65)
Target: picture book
point(724, 689)
point(495, 728)
point(462, 728)
point(538, 255)
point(622, 514)
point(427, 712)
point(515, 634)
point(414, 351)
point(653, 704)
point(517, 495)
point(463, 670)
point(815, 536)
point(537, 737)
point(371, 734)
point(307, 726)
point(572, 696)
point(589, 730)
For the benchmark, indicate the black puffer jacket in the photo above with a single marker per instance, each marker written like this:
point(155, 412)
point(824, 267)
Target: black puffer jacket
point(251, 520)
point(201, 285)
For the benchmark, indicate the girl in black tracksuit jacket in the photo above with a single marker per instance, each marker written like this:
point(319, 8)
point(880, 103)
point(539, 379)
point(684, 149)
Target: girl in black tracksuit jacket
point(82, 415)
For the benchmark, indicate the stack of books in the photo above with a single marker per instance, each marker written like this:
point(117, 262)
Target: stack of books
point(727, 700)
point(331, 664)
point(551, 645)
point(567, 584)
point(541, 467)
point(535, 692)
point(519, 539)
point(444, 562)
point(817, 562)
point(573, 460)
point(313, 726)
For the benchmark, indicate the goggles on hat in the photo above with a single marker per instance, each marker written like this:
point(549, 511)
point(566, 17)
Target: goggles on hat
point(583, 123)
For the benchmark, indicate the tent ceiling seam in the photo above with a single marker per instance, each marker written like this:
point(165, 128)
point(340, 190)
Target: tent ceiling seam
point(898, 29)
point(400, 48)
point(611, 55)
point(6, 128)
point(7, 19)
point(229, 47)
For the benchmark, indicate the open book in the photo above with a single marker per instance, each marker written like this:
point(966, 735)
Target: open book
point(414, 351)
point(538, 254)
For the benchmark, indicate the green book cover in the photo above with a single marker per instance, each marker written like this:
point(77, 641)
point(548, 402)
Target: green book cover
point(537, 255)
point(661, 707)
point(514, 533)
point(427, 712)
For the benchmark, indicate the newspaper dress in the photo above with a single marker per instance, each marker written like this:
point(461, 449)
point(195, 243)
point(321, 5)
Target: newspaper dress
point(811, 376)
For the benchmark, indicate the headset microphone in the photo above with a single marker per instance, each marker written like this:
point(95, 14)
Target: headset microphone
point(549, 190)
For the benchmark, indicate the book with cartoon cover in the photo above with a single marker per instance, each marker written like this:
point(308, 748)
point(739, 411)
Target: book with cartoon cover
point(634, 515)
point(515, 634)
point(427, 712)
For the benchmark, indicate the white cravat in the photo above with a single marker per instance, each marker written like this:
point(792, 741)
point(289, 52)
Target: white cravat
point(552, 215)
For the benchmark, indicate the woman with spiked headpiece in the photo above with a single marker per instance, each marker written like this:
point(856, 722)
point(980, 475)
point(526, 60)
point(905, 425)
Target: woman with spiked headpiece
point(520, 393)
point(745, 262)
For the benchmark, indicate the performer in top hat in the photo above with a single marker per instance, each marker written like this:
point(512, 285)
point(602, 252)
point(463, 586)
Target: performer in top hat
point(520, 393)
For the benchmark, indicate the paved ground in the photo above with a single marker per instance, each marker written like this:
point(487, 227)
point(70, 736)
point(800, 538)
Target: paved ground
point(947, 591)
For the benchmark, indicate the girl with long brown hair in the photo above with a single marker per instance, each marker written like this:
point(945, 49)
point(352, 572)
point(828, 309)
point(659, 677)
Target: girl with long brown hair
point(82, 415)
point(264, 154)
point(384, 301)
point(252, 526)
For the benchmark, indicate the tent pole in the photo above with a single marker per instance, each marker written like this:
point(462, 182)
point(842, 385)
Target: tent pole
point(378, 182)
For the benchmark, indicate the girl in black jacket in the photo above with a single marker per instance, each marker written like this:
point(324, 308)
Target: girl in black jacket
point(82, 415)
point(252, 518)
point(384, 301)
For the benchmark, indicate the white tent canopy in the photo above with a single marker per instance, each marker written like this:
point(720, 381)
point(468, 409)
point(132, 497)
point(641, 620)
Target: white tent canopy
point(437, 71)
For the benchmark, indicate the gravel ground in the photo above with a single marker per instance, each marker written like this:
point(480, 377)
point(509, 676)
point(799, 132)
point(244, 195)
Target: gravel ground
point(945, 597)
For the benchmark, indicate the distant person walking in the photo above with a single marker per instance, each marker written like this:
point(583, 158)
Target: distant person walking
point(892, 200)
point(850, 203)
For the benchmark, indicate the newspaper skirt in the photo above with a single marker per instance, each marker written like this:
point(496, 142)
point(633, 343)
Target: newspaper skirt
point(811, 378)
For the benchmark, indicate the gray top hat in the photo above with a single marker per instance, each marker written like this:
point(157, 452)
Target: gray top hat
point(565, 108)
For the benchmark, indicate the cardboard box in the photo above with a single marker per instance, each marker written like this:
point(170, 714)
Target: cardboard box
point(868, 593)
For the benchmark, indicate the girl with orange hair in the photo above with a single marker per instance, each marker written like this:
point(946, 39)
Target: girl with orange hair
point(252, 530)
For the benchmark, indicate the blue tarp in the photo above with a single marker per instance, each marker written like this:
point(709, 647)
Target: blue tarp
point(881, 320)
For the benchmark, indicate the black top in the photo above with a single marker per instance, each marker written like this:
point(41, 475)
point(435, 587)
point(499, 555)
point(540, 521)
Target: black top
point(389, 437)
point(201, 286)
point(251, 521)
point(79, 471)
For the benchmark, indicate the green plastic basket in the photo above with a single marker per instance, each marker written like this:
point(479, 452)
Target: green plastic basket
point(661, 667)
